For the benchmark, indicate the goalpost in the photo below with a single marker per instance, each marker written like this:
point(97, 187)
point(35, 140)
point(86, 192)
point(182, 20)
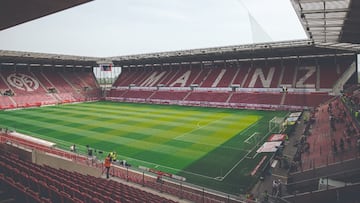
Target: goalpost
point(276, 125)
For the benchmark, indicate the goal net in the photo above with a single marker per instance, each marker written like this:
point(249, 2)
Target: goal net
point(276, 125)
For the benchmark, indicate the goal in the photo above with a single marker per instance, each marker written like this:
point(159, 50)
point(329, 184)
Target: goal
point(276, 125)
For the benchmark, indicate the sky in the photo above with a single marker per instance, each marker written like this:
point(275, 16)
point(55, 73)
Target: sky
point(106, 28)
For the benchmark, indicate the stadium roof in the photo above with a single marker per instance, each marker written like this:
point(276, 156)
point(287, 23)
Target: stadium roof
point(275, 50)
point(40, 59)
point(330, 20)
point(15, 12)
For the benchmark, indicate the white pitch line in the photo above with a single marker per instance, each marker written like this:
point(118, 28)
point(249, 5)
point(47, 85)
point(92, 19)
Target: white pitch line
point(244, 157)
point(247, 139)
point(174, 169)
point(252, 125)
point(195, 129)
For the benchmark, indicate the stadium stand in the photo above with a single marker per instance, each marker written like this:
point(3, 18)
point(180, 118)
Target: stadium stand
point(312, 100)
point(208, 96)
point(142, 94)
point(73, 185)
point(256, 85)
point(169, 95)
point(248, 76)
point(28, 182)
point(234, 77)
point(36, 88)
point(322, 139)
point(228, 77)
point(256, 98)
point(240, 84)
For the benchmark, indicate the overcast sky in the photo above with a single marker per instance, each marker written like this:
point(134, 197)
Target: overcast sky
point(105, 28)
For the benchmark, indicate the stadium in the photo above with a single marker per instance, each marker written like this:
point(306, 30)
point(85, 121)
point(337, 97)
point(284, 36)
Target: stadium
point(261, 122)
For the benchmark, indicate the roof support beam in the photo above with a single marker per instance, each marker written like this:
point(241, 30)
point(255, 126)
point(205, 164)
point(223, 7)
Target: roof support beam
point(324, 11)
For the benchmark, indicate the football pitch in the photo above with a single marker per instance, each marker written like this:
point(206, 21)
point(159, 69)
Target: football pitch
point(210, 147)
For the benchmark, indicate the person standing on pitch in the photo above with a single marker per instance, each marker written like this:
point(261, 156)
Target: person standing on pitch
point(107, 164)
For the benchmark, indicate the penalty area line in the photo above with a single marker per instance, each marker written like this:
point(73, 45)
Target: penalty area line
point(244, 157)
point(247, 139)
point(174, 169)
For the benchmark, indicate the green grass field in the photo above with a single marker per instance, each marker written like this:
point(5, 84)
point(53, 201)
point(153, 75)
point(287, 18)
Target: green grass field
point(205, 145)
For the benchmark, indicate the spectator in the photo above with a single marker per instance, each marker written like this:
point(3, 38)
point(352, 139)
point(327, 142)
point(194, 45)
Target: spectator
point(250, 197)
point(334, 146)
point(342, 145)
point(265, 197)
point(73, 148)
point(113, 156)
point(274, 188)
point(279, 188)
point(348, 140)
point(107, 164)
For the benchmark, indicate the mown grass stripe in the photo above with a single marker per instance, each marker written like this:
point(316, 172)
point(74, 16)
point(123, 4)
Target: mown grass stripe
point(177, 139)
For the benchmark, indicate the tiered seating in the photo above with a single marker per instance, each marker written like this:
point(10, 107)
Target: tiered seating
point(84, 83)
point(73, 80)
point(37, 87)
point(211, 78)
point(169, 95)
point(141, 94)
point(6, 103)
point(260, 77)
point(228, 76)
point(321, 138)
point(241, 73)
point(288, 74)
point(116, 93)
point(308, 80)
point(42, 79)
point(256, 98)
point(292, 73)
point(201, 76)
point(179, 73)
point(125, 76)
point(28, 91)
point(28, 182)
point(169, 75)
point(208, 96)
point(58, 81)
point(195, 72)
point(306, 76)
point(3, 85)
point(88, 79)
point(310, 100)
point(151, 78)
point(33, 100)
point(332, 73)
